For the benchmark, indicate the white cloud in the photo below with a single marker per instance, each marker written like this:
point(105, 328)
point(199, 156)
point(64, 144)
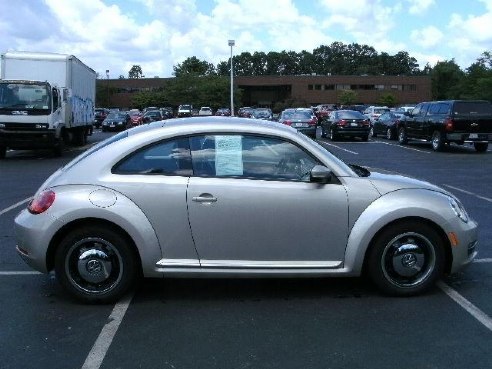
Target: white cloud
point(427, 38)
point(419, 7)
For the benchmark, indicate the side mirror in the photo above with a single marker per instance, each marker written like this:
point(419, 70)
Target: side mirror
point(320, 174)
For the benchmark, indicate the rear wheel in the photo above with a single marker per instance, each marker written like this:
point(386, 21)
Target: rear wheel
point(333, 135)
point(479, 146)
point(402, 136)
point(323, 132)
point(437, 141)
point(3, 152)
point(389, 134)
point(406, 258)
point(373, 133)
point(95, 264)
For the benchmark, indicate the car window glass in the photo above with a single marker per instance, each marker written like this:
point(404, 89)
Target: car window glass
point(169, 157)
point(252, 157)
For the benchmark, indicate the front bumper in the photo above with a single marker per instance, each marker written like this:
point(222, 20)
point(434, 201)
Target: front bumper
point(467, 248)
point(28, 139)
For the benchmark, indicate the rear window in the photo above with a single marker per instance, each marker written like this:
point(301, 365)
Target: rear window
point(473, 108)
point(351, 115)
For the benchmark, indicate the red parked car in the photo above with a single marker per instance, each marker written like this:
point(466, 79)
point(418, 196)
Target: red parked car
point(137, 118)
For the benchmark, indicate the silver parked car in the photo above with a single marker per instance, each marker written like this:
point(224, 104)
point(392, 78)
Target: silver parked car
point(202, 196)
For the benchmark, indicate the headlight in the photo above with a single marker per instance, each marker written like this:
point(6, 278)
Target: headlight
point(458, 209)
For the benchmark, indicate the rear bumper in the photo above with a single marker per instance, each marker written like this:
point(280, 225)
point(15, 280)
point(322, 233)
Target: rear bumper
point(469, 137)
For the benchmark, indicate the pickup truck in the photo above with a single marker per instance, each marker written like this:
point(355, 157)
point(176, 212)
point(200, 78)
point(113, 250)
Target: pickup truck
point(443, 122)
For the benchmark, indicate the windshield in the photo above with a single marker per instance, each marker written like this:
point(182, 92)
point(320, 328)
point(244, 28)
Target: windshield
point(24, 96)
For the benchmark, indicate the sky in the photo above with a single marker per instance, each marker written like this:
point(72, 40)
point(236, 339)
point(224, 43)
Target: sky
point(114, 35)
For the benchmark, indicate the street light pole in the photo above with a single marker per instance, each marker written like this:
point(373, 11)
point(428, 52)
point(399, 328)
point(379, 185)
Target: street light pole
point(231, 44)
point(107, 88)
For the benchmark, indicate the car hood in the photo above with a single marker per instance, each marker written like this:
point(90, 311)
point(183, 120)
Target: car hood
point(385, 182)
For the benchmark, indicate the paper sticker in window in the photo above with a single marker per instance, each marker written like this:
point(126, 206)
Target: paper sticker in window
point(228, 156)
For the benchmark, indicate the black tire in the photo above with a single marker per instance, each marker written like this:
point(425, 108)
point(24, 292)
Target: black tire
point(333, 135)
point(373, 133)
point(95, 264)
point(3, 152)
point(323, 132)
point(389, 134)
point(60, 145)
point(479, 146)
point(365, 138)
point(406, 259)
point(402, 136)
point(438, 141)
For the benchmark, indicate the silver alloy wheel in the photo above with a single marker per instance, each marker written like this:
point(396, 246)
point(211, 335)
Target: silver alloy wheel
point(408, 260)
point(94, 265)
point(371, 132)
point(437, 142)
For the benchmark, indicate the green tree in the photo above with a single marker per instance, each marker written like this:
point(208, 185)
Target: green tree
point(387, 99)
point(194, 67)
point(347, 97)
point(446, 78)
point(135, 72)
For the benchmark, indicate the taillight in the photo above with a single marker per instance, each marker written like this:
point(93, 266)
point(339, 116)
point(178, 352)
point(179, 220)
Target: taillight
point(366, 122)
point(288, 122)
point(41, 202)
point(448, 124)
point(342, 122)
point(312, 122)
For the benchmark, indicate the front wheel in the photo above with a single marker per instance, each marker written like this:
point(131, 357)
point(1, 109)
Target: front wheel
point(389, 134)
point(323, 132)
point(406, 259)
point(3, 151)
point(333, 135)
point(95, 264)
point(373, 133)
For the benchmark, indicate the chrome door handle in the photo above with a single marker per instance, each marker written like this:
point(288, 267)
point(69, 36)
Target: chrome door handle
point(204, 199)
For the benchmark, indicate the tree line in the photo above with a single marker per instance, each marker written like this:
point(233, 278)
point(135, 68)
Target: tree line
point(205, 83)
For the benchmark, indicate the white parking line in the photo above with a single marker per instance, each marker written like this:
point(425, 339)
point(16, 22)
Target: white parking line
point(101, 346)
point(468, 193)
point(467, 305)
point(338, 147)
point(15, 205)
point(27, 272)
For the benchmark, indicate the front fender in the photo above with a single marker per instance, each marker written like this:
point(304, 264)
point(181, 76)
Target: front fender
point(78, 202)
point(407, 203)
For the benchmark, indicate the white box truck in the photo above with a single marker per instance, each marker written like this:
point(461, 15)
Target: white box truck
point(46, 101)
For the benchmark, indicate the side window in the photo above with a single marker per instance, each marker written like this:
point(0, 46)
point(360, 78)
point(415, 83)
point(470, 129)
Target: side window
point(168, 157)
point(434, 109)
point(252, 157)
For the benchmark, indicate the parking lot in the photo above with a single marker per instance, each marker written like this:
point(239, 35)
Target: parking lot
point(256, 323)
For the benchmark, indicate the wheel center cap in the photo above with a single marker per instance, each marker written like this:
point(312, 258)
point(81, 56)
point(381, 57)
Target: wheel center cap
point(409, 260)
point(94, 266)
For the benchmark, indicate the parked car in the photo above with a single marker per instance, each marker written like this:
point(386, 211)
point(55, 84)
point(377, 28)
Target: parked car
point(167, 112)
point(263, 113)
point(450, 121)
point(136, 117)
point(205, 110)
point(296, 209)
point(152, 116)
point(245, 112)
point(117, 121)
point(185, 110)
point(224, 112)
point(346, 123)
point(99, 115)
point(387, 125)
point(300, 119)
point(373, 112)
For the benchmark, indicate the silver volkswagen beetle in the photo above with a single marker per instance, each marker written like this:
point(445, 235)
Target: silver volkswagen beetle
point(215, 196)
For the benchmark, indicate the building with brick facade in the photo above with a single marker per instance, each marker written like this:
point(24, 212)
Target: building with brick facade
point(310, 89)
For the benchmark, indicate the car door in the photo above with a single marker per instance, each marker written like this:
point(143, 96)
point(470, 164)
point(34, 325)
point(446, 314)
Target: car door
point(155, 178)
point(251, 205)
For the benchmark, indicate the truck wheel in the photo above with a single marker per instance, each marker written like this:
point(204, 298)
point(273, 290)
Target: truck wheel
point(59, 147)
point(437, 141)
point(389, 134)
point(479, 146)
point(402, 136)
point(406, 258)
point(3, 152)
point(96, 264)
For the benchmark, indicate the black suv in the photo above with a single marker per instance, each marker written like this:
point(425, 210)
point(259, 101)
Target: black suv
point(443, 122)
